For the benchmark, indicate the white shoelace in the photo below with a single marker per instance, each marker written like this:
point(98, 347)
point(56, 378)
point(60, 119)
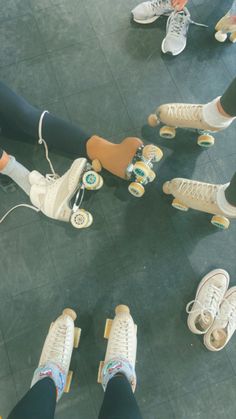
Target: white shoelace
point(161, 4)
point(58, 346)
point(186, 112)
point(210, 304)
point(178, 22)
point(122, 341)
point(228, 313)
point(202, 192)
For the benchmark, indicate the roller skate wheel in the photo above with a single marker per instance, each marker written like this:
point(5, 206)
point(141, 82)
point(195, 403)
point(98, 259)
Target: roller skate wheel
point(220, 221)
point(92, 180)
point(122, 309)
point(136, 189)
point(96, 165)
point(70, 312)
point(152, 152)
point(151, 176)
point(107, 330)
point(68, 382)
point(77, 334)
point(179, 205)
point(206, 140)
point(220, 36)
point(167, 132)
point(81, 219)
point(153, 120)
point(232, 37)
point(141, 169)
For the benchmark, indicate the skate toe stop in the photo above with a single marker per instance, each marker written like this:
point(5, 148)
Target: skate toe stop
point(122, 309)
point(165, 188)
point(153, 120)
point(70, 312)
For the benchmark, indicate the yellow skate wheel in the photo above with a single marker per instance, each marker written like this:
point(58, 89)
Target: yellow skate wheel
point(220, 36)
point(151, 176)
point(232, 37)
point(179, 205)
point(92, 180)
point(206, 140)
point(77, 334)
point(81, 219)
point(96, 165)
point(107, 328)
point(220, 221)
point(136, 189)
point(153, 120)
point(70, 312)
point(141, 169)
point(167, 132)
point(68, 382)
point(152, 152)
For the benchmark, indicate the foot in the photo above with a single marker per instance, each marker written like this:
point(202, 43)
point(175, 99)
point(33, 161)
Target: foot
point(149, 11)
point(227, 24)
point(121, 349)
point(57, 351)
point(224, 325)
point(204, 308)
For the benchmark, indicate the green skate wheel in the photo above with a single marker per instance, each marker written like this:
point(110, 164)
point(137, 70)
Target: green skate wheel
point(141, 169)
point(167, 132)
point(220, 221)
point(81, 219)
point(136, 189)
point(206, 140)
point(179, 205)
point(92, 180)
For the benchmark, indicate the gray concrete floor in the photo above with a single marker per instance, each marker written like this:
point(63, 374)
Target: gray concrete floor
point(85, 61)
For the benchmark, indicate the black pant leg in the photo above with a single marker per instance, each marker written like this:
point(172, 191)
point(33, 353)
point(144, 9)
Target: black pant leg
point(228, 100)
point(230, 192)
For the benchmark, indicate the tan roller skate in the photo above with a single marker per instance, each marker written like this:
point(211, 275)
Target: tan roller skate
point(183, 115)
point(121, 348)
point(55, 358)
point(200, 196)
point(227, 26)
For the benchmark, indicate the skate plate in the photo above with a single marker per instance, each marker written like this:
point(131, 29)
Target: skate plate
point(101, 365)
point(107, 330)
point(68, 382)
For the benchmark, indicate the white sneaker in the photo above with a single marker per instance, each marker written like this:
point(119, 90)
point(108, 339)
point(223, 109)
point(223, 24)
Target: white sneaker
point(203, 310)
point(224, 325)
point(121, 348)
point(57, 351)
point(176, 32)
point(149, 11)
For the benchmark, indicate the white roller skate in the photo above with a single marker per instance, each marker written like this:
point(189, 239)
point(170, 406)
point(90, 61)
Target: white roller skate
point(149, 11)
point(121, 348)
point(183, 115)
point(227, 26)
point(53, 196)
point(140, 170)
point(55, 358)
point(205, 197)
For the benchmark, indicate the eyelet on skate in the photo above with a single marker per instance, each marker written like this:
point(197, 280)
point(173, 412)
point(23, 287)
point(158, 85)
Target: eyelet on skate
point(153, 120)
point(220, 36)
point(206, 140)
point(179, 205)
point(92, 180)
point(136, 189)
point(81, 219)
point(167, 132)
point(220, 221)
point(152, 152)
point(232, 37)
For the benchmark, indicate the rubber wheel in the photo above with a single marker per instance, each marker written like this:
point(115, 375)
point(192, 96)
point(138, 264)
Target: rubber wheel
point(220, 36)
point(179, 205)
point(232, 37)
point(92, 180)
point(151, 176)
point(141, 169)
point(136, 189)
point(167, 132)
point(152, 152)
point(70, 312)
point(220, 221)
point(81, 219)
point(153, 120)
point(206, 140)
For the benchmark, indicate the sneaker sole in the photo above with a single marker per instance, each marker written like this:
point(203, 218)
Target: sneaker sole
point(151, 20)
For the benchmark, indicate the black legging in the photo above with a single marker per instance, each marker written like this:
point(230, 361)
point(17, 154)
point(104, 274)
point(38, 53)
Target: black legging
point(228, 100)
point(40, 401)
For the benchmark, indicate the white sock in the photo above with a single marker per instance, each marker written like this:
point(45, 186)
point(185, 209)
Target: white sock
point(18, 173)
point(228, 209)
point(213, 117)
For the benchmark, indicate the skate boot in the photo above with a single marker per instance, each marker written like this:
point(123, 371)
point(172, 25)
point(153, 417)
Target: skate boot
point(227, 26)
point(176, 32)
point(53, 196)
point(57, 351)
point(203, 310)
point(129, 160)
point(205, 197)
point(149, 11)
point(224, 325)
point(183, 115)
point(121, 348)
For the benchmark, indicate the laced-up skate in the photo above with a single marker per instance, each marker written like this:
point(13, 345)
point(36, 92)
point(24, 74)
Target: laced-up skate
point(204, 308)
point(224, 325)
point(227, 26)
point(55, 358)
point(149, 11)
point(121, 348)
point(200, 196)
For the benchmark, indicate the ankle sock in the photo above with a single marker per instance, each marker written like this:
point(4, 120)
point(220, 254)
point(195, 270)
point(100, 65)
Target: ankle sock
point(224, 205)
point(18, 173)
point(118, 366)
point(52, 371)
point(213, 117)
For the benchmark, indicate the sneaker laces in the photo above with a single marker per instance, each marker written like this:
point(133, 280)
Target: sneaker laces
point(162, 4)
point(178, 22)
point(122, 341)
point(187, 112)
point(206, 192)
point(228, 312)
point(210, 305)
point(58, 346)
